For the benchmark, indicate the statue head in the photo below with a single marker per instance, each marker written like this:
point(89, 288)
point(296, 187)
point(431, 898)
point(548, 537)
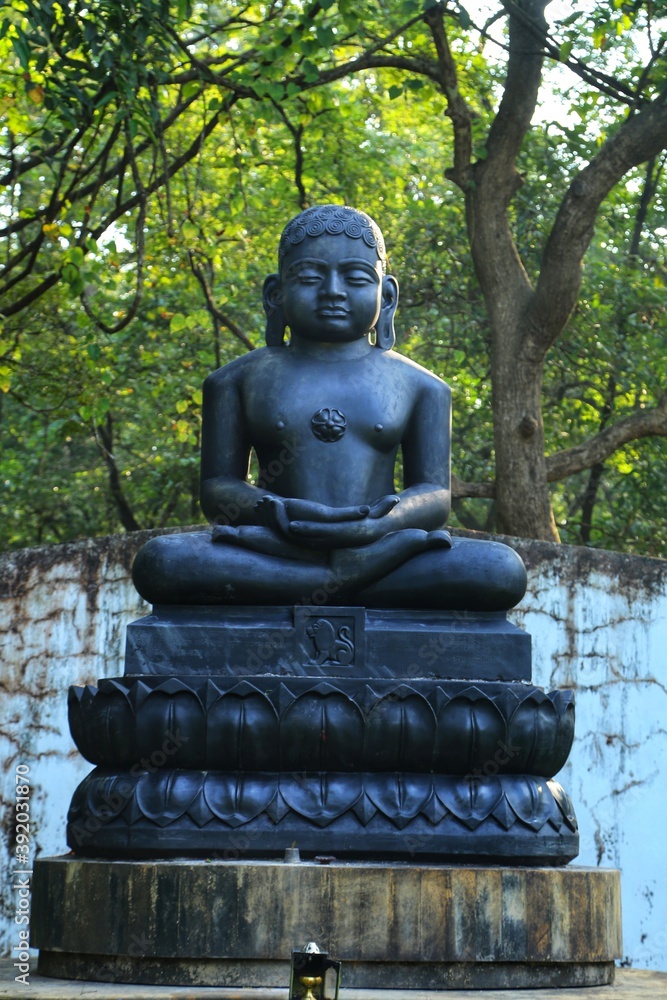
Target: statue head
point(327, 222)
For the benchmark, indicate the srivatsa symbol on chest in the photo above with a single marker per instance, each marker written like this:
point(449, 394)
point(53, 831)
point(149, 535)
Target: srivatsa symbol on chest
point(331, 645)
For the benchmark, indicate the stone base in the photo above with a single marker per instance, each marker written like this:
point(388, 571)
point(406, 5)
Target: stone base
point(628, 984)
point(419, 770)
point(506, 819)
point(196, 922)
point(327, 642)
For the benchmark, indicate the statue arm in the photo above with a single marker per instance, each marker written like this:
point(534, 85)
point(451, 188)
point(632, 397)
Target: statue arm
point(226, 496)
point(426, 448)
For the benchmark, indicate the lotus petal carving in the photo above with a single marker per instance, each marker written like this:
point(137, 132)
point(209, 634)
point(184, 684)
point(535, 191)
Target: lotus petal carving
point(310, 725)
point(470, 799)
point(321, 798)
point(242, 732)
point(400, 733)
point(164, 796)
point(326, 729)
point(399, 796)
point(237, 799)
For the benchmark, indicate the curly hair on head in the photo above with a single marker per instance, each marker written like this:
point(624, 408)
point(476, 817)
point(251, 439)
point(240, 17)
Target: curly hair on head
point(334, 220)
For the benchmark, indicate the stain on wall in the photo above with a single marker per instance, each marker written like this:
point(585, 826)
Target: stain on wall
point(598, 622)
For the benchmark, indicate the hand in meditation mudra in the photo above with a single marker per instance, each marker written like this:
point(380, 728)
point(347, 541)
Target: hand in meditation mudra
point(326, 415)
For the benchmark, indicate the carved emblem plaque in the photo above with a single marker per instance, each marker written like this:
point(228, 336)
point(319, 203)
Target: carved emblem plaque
point(330, 638)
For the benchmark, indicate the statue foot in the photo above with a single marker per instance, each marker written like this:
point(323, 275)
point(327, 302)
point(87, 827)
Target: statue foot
point(439, 539)
point(225, 533)
point(362, 566)
point(262, 540)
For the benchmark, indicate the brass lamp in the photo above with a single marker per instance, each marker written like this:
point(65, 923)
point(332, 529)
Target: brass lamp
point(313, 975)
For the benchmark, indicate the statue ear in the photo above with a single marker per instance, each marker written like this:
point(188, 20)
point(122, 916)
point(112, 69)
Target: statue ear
point(385, 336)
point(272, 297)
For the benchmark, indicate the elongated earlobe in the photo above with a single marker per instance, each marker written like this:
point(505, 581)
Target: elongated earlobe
point(385, 335)
point(272, 298)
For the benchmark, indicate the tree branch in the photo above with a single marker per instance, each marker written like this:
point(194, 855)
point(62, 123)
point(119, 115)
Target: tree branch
point(643, 423)
point(131, 202)
point(457, 108)
point(117, 168)
point(35, 293)
point(603, 82)
point(522, 84)
point(501, 274)
point(139, 238)
point(296, 131)
point(104, 436)
point(211, 306)
point(462, 489)
point(641, 136)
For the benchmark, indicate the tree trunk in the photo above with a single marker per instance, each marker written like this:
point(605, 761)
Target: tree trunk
point(517, 354)
point(523, 502)
point(525, 321)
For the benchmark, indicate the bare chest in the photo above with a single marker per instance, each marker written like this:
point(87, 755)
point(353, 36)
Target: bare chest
point(340, 405)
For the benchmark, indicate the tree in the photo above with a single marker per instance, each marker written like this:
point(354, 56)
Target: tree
point(123, 111)
point(525, 318)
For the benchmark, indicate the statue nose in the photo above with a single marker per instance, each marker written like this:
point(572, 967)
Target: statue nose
point(332, 287)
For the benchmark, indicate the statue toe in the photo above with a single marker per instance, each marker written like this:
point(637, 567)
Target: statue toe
point(439, 539)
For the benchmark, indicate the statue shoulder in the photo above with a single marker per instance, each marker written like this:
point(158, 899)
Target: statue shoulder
point(235, 372)
point(416, 375)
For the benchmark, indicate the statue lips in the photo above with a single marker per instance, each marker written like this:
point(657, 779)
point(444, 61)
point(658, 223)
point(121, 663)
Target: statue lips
point(332, 313)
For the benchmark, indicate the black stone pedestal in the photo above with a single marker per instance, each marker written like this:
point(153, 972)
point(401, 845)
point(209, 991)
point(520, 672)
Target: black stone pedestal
point(401, 747)
point(347, 731)
point(327, 642)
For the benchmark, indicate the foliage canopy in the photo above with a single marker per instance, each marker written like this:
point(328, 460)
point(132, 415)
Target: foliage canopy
point(152, 151)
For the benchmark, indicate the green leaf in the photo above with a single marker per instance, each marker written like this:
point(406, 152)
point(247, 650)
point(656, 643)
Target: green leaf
point(22, 51)
point(600, 38)
point(190, 233)
point(565, 50)
point(101, 406)
point(310, 71)
point(325, 35)
point(464, 18)
point(191, 89)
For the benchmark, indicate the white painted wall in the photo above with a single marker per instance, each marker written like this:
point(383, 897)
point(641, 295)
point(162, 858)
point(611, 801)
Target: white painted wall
point(63, 612)
point(599, 625)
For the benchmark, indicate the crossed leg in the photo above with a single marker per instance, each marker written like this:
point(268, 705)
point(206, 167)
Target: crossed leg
point(410, 569)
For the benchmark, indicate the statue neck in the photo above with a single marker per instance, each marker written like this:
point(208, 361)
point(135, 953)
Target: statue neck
point(330, 350)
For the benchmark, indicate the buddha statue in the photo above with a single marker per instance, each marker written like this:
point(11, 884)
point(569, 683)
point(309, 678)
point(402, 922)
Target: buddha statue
point(330, 667)
point(326, 414)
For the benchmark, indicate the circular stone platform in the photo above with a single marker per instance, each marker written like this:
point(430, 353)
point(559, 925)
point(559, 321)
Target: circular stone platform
point(419, 926)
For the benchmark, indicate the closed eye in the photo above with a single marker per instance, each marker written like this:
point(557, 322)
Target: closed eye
point(360, 278)
point(359, 272)
point(304, 277)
